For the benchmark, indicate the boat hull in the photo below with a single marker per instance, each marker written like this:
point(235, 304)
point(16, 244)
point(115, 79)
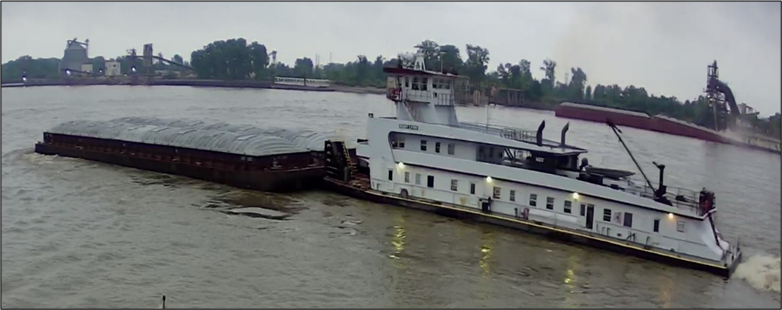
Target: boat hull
point(636, 120)
point(532, 227)
point(282, 180)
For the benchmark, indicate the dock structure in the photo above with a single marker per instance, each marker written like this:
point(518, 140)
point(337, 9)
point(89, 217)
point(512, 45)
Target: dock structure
point(268, 159)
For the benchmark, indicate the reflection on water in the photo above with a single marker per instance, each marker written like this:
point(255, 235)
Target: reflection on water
point(570, 281)
point(488, 240)
point(666, 288)
point(398, 239)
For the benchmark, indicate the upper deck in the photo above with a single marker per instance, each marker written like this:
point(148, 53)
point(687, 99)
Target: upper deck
point(509, 137)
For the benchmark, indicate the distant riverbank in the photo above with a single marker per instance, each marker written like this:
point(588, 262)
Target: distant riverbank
point(192, 83)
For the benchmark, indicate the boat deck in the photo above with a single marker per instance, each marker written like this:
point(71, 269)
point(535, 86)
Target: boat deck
point(361, 190)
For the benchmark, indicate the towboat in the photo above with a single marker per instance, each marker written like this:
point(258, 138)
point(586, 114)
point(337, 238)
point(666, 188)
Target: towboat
point(425, 158)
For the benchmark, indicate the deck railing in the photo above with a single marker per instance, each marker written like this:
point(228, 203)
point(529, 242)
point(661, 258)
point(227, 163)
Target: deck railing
point(682, 198)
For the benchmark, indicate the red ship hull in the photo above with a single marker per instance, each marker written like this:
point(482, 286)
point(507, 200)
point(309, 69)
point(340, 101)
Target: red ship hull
point(638, 120)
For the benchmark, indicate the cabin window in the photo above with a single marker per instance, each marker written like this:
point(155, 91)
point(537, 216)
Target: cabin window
point(497, 192)
point(451, 148)
point(434, 83)
point(407, 82)
point(430, 181)
point(390, 175)
point(415, 83)
point(568, 205)
point(417, 179)
point(423, 145)
point(454, 185)
point(628, 222)
point(400, 142)
point(533, 200)
point(437, 147)
point(656, 227)
point(512, 195)
point(447, 84)
point(680, 226)
point(472, 188)
point(550, 203)
point(424, 83)
point(407, 177)
point(607, 215)
point(583, 209)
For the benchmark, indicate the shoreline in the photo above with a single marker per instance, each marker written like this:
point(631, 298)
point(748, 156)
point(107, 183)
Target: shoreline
point(194, 83)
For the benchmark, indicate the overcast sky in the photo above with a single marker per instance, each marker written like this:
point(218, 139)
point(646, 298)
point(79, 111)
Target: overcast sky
point(664, 47)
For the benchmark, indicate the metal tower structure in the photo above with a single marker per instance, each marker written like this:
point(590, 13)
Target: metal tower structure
point(715, 98)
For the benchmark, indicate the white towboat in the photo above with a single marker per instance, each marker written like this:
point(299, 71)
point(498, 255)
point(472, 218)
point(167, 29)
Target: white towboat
point(425, 158)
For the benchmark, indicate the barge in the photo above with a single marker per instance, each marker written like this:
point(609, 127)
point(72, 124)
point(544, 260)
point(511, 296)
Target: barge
point(241, 156)
point(424, 158)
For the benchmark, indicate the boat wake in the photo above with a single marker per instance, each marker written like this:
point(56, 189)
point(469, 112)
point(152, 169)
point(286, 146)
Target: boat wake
point(762, 271)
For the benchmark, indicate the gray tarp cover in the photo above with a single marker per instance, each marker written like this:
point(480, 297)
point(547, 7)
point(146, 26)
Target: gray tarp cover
point(195, 134)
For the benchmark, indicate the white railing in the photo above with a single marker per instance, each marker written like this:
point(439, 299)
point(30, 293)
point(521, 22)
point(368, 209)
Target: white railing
point(440, 99)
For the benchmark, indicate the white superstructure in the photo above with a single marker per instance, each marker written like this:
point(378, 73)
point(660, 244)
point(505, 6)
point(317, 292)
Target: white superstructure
point(425, 153)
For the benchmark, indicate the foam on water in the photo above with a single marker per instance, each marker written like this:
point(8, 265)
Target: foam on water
point(762, 271)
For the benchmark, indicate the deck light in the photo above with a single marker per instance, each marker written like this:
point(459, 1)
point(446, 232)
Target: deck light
point(670, 215)
point(575, 196)
point(488, 179)
point(400, 165)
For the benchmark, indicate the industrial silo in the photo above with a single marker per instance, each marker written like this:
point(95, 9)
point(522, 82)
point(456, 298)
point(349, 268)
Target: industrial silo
point(75, 55)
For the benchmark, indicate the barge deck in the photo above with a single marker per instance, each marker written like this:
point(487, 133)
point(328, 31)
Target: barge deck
point(276, 160)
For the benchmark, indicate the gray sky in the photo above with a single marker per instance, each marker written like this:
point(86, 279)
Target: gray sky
point(664, 47)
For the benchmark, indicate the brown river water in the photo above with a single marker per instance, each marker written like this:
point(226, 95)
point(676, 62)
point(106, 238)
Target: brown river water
point(83, 234)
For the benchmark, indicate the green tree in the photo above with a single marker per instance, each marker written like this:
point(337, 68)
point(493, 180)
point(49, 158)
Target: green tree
point(431, 52)
point(303, 67)
point(476, 64)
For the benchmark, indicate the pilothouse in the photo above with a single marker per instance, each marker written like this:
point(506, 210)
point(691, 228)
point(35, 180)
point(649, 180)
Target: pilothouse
point(426, 158)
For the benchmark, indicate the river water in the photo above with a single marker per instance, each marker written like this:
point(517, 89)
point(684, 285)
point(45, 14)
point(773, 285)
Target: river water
point(83, 234)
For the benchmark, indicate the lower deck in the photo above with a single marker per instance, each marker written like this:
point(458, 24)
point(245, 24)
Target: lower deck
point(359, 187)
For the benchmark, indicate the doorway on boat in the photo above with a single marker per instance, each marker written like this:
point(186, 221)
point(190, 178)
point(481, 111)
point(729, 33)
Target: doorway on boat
point(590, 216)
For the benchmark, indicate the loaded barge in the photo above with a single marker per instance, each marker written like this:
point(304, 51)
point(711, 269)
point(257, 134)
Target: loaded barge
point(424, 158)
point(246, 157)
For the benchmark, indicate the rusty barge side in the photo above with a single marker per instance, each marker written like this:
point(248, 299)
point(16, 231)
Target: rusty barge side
point(279, 173)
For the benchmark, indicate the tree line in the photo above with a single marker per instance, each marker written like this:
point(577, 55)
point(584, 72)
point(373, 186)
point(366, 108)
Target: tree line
point(236, 59)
